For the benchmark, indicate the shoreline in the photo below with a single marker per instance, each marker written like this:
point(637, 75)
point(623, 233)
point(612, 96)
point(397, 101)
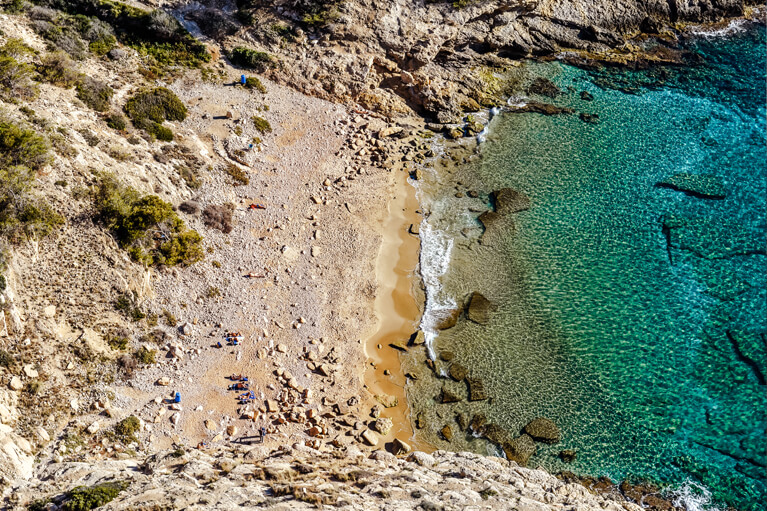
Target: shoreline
point(396, 309)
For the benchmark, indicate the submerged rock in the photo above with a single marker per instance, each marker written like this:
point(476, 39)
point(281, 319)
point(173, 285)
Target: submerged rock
point(543, 430)
point(446, 396)
point(476, 389)
point(536, 107)
point(478, 421)
point(447, 433)
point(458, 372)
point(521, 449)
point(568, 455)
point(449, 319)
point(702, 186)
point(480, 308)
point(418, 338)
point(543, 87)
point(508, 200)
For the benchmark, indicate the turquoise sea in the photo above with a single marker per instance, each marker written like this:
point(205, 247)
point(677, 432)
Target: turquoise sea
point(634, 316)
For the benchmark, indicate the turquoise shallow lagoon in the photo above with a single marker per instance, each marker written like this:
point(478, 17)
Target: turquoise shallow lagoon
point(634, 316)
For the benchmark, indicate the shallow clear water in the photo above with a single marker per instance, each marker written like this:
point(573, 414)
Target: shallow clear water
point(645, 344)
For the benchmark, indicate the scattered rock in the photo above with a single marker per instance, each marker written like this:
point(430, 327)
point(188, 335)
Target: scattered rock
point(272, 406)
point(369, 437)
point(30, 371)
point(231, 430)
point(446, 396)
point(93, 428)
point(586, 96)
point(447, 432)
point(480, 308)
point(15, 383)
point(478, 422)
point(163, 381)
point(543, 87)
point(400, 447)
point(446, 356)
point(589, 118)
point(458, 372)
point(476, 389)
point(568, 455)
point(387, 401)
point(383, 425)
point(520, 449)
point(186, 329)
point(543, 430)
point(448, 320)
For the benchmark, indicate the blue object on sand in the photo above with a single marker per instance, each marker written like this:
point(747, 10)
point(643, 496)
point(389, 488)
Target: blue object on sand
point(177, 399)
point(243, 80)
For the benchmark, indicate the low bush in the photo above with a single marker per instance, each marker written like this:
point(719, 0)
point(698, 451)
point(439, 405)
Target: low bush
point(146, 226)
point(145, 356)
point(261, 124)
point(22, 153)
point(127, 428)
point(118, 342)
point(236, 173)
point(15, 74)
point(63, 36)
point(218, 217)
point(245, 57)
point(58, 69)
point(6, 360)
point(150, 108)
point(83, 498)
point(253, 82)
point(97, 95)
point(116, 121)
point(126, 303)
point(189, 207)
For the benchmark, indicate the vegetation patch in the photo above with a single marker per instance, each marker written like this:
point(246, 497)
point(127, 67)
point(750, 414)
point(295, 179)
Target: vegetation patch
point(146, 226)
point(22, 153)
point(145, 356)
point(82, 498)
point(155, 34)
point(116, 121)
point(261, 124)
point(236, 173)
point(252, 82)
point(252, 59)
point(150, 108)
point(218, 217)
point(97, 95)
point(15, 74)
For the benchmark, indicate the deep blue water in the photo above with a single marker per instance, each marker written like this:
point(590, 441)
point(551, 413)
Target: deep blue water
point(633, 316)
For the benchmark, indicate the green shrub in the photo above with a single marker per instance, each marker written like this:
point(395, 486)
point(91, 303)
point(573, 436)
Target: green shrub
point(150, 108)
point(126, 303)
point(6, 359)
point(261, 124)
point(21, 147)
point(127, 428)
point(117, 342)
point(145, 356)
point(253, 82)
point(15, 75)
point(58, 69)
point(239, 175)
point(2, 283)
point(83, 498)
point(146, 226)
point(116, 121)
point(95, 94)
point(245, 57)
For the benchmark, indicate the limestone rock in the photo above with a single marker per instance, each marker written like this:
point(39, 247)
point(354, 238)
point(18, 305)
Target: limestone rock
point(480, 308)
point(400, 447)
point(387, 401)
point(30, 371)
point(15, 383)
point(458, 372)
point(543, 430)
point(383, 425)
point(186, 329)
point(163, 381)
point(476, 389)
point(520, 449)
point(369, 437)
point(93, 428)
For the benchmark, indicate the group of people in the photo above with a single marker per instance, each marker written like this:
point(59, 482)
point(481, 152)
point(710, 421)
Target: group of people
point(232, 339)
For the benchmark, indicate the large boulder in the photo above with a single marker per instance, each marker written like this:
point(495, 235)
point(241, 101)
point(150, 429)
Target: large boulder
point(476, 389)
point(480, 308)
point(448, 319)
point(543, 430)
point(520, 449)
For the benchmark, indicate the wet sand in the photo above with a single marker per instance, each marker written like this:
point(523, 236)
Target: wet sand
point(396, 308)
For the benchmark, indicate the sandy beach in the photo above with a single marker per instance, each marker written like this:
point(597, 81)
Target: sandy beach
point(314, 282)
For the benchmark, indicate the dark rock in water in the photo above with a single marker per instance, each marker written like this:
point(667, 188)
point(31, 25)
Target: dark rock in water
point(586, 96)
point(454, 133)
point(474, 128)
point(458, 372)
point(420, 420)
point(544, 87)
point(702, 186)
point(520, 449)
point(446, 355)
point(476, 389)
point(480, 308)
point(543, 430)
point(496, 434)
point(568, 455)
point(508, 200)
point(446, 396)
point(449, 320)
point(647, 495)
point(488, 219)
point(418, 338)
point(473, 194)
point(589, 118)
point(462, 421)
point(541, 108)
point(478, 421)
point(414, 229)
point(447, 433)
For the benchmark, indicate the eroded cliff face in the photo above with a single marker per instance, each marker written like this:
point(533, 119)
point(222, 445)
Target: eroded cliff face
point(436, 59)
